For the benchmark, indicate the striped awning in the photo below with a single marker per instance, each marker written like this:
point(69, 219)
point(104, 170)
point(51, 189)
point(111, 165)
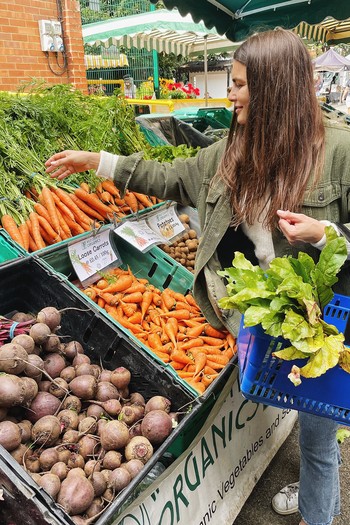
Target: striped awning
point(330, 30)
point(99, 62)
point(160, 30)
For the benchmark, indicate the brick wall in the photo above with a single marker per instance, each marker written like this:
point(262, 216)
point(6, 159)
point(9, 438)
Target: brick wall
point(21, 58)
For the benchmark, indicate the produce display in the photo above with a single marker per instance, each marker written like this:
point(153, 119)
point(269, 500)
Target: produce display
point(44, 121)
point(74, 426)
point(169, 323)
point(184, 250)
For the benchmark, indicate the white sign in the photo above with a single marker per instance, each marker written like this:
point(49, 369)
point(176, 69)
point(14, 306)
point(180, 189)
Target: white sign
point(213, 478)
point(157, 227)
point(166, 223)
point(92, 255)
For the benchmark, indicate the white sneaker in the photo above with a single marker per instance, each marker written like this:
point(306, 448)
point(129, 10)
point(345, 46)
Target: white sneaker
point(286, 500)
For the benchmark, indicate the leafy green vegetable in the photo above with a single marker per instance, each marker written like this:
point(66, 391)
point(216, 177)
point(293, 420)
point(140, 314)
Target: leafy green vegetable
point(287, 300)
point(342, 434)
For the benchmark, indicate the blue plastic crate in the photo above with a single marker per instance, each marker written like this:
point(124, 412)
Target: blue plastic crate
point(264, 378)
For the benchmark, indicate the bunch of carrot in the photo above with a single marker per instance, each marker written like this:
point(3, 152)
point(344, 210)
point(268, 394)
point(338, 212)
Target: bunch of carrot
point(169, 323)
point(58, 214)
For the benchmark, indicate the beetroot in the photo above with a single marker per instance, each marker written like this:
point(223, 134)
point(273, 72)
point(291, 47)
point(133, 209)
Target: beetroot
point(114, 435)
point(43, 404)
point(46, 431)
point(76, 494)
point(158, 403)
point(156, 426)
point(10, 435)
point(140, 448)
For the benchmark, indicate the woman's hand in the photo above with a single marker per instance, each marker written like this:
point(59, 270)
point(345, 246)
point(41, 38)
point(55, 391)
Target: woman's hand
point(298, 227)
point(67, 162)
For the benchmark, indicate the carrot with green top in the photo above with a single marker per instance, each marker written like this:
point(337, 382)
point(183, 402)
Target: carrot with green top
point(49, 203)
point(9, 224)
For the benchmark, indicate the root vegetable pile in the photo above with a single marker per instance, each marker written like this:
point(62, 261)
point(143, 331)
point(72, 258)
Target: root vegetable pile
point(184, 250)
point(74, 426)
point(169, 323)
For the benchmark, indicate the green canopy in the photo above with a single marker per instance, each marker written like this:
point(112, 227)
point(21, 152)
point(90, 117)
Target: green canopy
point(237, 19)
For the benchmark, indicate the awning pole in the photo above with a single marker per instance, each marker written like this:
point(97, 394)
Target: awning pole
point(206, 69)
point(155, 65)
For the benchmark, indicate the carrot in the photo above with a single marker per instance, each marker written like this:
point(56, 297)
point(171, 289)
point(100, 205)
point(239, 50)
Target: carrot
point(181, 357)
point(213, 332)
point(110, 298)
point(63, 225)
point(146, 302)
point(157, 299)
point(164, 357)
point(32, 246)
point(135, 318)
point(191, 343)
point(45, 225)
point(33, 216)
point(41, 210)
point(92, 200)
point(87, 209)
point(61, 206)
point(197, 385)
point(112, 311)
point(74, 227)
point(154, 341)
point(91, 293)
point(129, 309)
point(196, 330)
point(101, 302)
point(219, 359)
point(23, 230)
point(11, 227)
point(136, 287)
point(176, 365)
point(199, 360)
point(131, 201)
point(146, 201)
point(207, 379)
point(171, 329)
point(168, 300)
point(184, 374)
point(84, 186)
point(121, 283)
point(109, 186)
point(102, 284)
point(190, 299)
point(213, 341)
point(135, 297)
point(176, 314)
point(50, 205)
point(79, 215)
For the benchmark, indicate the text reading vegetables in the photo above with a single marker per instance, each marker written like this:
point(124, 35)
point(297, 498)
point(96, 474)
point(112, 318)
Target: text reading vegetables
point(287, 300)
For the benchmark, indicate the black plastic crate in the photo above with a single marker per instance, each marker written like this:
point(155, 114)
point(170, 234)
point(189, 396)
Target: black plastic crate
point(28, 286)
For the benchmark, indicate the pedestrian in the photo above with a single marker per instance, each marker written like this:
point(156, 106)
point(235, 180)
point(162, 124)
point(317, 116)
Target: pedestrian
point(346, 96)
point(129, 87)
point(280, 155)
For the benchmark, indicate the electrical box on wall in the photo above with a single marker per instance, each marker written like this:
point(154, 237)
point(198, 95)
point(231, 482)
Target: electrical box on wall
point(51, 35)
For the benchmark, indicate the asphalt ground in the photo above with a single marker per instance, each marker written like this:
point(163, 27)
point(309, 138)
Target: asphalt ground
point(284, 469)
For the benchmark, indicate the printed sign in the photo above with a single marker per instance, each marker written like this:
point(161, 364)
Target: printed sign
point(157, 227)
point(92, 255)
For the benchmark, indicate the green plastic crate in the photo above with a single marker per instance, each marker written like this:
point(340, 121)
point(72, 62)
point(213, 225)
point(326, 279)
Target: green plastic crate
point(9, 249)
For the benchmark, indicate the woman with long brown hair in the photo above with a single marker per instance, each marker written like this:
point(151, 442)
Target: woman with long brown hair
point(280, 155)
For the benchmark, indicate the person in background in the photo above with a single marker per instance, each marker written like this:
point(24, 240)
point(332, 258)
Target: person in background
point(267, 190)
point(129, 87)
point(346, 96)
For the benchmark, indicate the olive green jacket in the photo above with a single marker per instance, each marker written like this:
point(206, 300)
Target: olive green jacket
point(191, 182)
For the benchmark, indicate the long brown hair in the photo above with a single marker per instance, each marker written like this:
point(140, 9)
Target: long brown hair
point(270, 160)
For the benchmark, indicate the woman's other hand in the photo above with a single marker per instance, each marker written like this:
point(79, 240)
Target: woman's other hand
point(297, 227)
point(67, 162)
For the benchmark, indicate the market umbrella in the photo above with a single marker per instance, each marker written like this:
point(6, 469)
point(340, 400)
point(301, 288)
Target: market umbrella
point(239, 18)
point(331, 61)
